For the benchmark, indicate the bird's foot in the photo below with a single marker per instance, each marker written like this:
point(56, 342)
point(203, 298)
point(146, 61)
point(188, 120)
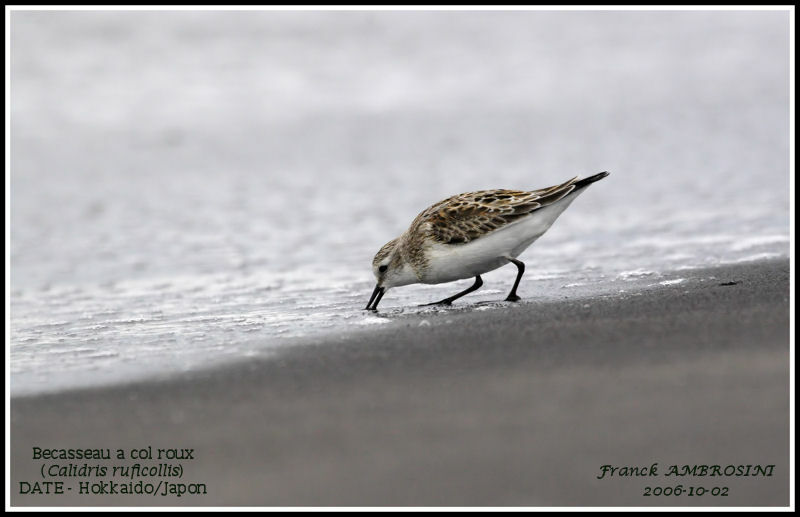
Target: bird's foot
point(513, 298)
point(441, 302)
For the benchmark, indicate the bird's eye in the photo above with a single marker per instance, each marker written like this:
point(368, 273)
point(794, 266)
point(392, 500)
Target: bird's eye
point(383, 268)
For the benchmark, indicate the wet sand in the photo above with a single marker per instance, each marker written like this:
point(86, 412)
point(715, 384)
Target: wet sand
point(513, 407)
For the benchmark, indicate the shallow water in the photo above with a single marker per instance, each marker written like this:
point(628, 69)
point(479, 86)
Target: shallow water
point(191, 188)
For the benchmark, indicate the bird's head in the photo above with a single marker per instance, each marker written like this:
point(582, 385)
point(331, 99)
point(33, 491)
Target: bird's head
point(390, 270)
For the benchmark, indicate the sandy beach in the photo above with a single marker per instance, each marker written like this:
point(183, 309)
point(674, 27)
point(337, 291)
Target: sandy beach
point(466, 407)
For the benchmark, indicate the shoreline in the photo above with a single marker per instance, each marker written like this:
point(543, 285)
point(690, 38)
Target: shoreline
point(391, 318)
point(467, 407)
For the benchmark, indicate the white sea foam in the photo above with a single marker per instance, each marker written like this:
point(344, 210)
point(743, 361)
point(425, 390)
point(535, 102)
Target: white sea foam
point(635, 273)
point(753, 258)
point(760, 240)
point(374, 321)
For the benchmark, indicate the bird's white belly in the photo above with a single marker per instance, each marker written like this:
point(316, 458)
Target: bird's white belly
point(449, 262)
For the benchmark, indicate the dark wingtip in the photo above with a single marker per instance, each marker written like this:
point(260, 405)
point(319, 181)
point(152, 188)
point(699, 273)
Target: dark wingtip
point(591, 179)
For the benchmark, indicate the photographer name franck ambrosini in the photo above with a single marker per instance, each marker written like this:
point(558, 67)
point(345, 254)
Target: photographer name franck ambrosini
point(607, 471)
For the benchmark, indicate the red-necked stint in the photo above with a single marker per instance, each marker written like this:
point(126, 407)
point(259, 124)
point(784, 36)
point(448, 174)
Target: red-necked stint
point(470, 234)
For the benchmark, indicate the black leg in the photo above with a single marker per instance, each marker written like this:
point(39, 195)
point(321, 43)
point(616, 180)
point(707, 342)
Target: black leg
point(512, 296)
point(474, 287)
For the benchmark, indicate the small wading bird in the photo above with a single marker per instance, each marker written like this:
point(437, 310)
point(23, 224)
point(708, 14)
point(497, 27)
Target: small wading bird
point(470, 234)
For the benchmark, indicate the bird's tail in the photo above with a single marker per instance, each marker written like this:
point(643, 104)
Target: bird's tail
point(591, 179)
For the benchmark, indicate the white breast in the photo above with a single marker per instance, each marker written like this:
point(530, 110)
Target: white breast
point(449, 262)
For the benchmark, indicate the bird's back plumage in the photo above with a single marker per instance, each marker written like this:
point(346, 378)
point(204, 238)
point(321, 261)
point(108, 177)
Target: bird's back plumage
point(466, 217)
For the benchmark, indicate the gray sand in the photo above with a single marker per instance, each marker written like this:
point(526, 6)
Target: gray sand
point(519, 407)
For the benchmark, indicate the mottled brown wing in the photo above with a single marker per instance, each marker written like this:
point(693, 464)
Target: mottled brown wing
point(466, 217)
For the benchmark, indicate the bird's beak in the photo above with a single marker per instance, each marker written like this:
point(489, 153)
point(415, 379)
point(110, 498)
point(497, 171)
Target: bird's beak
point(377, 294)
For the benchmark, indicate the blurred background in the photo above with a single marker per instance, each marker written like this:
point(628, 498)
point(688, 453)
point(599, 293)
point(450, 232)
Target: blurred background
point(193, 187)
